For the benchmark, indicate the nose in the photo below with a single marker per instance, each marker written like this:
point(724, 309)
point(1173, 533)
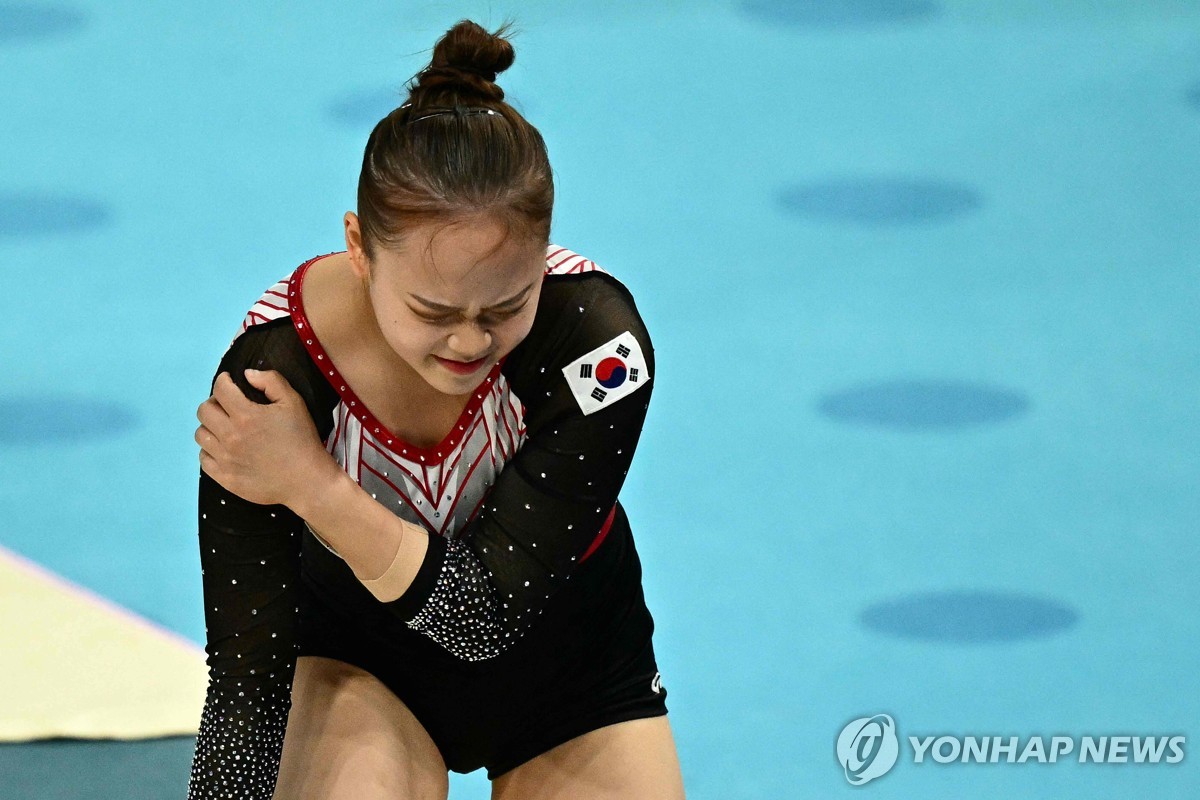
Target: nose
point(470, 342)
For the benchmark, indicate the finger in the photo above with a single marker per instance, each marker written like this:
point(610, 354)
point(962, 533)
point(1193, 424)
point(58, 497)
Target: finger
point(208, 465)
point(209, 443)
point(213, 415)
point(203, 437)
point(215, 423)
point(271, 382)
point(229, 394)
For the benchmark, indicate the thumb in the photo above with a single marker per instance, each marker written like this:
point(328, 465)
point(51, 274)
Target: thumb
point(270, 382)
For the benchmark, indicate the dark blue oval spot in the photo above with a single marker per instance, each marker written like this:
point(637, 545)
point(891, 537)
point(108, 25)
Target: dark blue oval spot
point(364, 109)
point(49, 419)
point(967, 616)
point(20, 21)
point(880, 201)
point(1193, 96)
point(915, 403)
point(42, 213)
point(839, 12)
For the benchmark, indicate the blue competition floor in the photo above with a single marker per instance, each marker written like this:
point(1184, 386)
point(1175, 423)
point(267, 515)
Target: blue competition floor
point(923, 279)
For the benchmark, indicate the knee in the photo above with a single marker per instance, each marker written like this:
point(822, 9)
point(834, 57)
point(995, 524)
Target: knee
point(360, 736)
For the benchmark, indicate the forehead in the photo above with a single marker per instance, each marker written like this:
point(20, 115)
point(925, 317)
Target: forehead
point(475, 262)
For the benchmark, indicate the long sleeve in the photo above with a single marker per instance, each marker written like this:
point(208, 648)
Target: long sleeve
point(250, 561)
point(586, 370)
point(251, 572)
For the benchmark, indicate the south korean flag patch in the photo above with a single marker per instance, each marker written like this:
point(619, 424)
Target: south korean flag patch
point(613, 370)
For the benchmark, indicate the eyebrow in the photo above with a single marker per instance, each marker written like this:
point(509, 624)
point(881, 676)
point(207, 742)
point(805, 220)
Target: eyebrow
point(440, 307)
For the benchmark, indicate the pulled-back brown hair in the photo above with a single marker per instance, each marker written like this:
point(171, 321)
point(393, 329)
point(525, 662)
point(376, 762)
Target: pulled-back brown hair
point(456, 166)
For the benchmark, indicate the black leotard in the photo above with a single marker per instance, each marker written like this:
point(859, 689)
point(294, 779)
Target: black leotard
point(518, 495)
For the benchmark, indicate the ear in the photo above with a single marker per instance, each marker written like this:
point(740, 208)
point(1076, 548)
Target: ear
point(354, 246)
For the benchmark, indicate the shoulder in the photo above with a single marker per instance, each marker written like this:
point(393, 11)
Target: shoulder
point(268, 340)
point(583, 298)
point(588, 339)
point(275, 302)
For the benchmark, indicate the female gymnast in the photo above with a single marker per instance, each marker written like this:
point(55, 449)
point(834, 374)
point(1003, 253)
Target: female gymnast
point(414, 559)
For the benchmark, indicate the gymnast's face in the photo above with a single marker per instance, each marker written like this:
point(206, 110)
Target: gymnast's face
point(463, 292)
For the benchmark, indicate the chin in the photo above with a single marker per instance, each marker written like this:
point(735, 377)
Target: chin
point(449, 384)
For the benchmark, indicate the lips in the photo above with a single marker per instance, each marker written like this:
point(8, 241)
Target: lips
point(461, 367)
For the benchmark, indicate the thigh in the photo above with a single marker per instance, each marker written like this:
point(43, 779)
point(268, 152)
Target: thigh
point(631, 760)
point(349, 737)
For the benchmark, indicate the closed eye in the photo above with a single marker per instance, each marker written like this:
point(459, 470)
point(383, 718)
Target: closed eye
point(446, 319)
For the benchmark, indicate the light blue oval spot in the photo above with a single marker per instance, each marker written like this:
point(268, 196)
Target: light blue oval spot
point(366, 108)
point(922, 404)
point(821, 13)
point(22, 21)
point(968, 617)
point(51, 419)
point(880, 201)
point(42, 213)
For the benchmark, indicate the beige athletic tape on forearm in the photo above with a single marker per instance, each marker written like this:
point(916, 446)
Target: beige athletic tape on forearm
point(394, 581)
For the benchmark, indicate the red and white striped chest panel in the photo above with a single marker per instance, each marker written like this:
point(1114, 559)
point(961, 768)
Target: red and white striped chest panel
point(439, 487)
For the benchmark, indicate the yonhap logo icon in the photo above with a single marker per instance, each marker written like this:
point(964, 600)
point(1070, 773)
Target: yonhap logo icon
point(867, 748)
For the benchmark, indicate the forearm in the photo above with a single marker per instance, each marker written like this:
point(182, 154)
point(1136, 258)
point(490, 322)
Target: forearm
point(369, 538)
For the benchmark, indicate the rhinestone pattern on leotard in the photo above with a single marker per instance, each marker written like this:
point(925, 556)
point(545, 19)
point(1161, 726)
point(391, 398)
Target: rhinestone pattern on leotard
point(239, 744)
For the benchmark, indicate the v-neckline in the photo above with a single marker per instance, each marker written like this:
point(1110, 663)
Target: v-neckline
point(398, 446)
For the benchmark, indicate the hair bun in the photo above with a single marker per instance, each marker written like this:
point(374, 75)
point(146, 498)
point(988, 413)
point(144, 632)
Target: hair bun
point(465, 63)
